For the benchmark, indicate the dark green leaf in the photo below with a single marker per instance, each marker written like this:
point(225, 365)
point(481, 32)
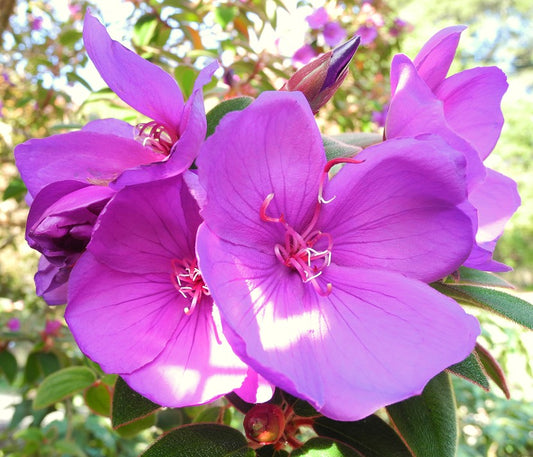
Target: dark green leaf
point(493, 369)
point(499, 302)
point(218, 112)
point(371, 436)
point(128, 405)
point(472, 370)
point(335, 148)
point(8, 364)
point(40, 364)
point(325, 447)
point(74, 77)
point(269, 451)
point(62, 384)
point(15, 189)
point(473, 277)
point(98, 399)
point(427, 422)
point(170, 418)
point(214, 414)
point(201, 440)
point(134, 428)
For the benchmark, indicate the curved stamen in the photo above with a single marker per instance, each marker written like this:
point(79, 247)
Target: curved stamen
point(325, 175)
point(188, 281)
point(155, 136)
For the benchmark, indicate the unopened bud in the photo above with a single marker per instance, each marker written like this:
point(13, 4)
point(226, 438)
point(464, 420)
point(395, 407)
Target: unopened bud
point(264, 423)
point(319, 79)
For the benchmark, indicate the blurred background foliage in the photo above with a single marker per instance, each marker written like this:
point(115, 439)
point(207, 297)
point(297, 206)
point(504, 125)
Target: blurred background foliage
point(48, 87)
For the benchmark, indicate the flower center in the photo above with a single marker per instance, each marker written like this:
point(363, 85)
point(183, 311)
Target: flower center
point(188, 281)
point(154, 136)
point(308, 252)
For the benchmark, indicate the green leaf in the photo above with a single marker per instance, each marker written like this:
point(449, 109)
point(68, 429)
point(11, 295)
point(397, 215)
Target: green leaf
point(201, 440)
point(224, 14)
point(493, 369)
point(371, 436)
point(427, 422)
point(214, 414)
point(8, 364)
point(325, 447)
point(218, 112)
point(62, 384)
point(472, 277)
point(74, 77)
point(129, 406)
point(269, 451)
point(40, 363)
point(185, 76)
point(335, 148)
point(70, 37)
point(133, 428)
point(360, 139)
point(15, 189)
point(144, 30)
point(472, 370)
point(98, 399)
point(499, 302)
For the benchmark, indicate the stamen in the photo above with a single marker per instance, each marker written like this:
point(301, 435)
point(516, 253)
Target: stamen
point(188, 281)
point(155, 136)
point(324, 177)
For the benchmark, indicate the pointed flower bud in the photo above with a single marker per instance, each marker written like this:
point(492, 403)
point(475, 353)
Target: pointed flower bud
point(319, 79)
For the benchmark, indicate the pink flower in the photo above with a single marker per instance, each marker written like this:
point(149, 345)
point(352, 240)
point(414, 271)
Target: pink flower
point(333, 33)
point(13, 324)
point(304, 54)
point(320, 284)
point(318, 19)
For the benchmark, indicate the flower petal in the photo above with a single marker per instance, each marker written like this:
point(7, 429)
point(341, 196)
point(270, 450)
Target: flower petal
point(375, 340)
point(251, 155)
point(398, 211)
point(122, 320)
point(145, 227)
point(472, 101)
point(434, 59)
point(141, 84)
point(415, 110)
point(51, 282)
point(88, 157)
point(196, 366)
point(111, 127)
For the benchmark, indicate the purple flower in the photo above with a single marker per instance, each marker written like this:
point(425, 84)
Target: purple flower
point(465, 110)
point(318, 19)
point(304, 54)
point(368, 34)
point(13, 324)
point(106, 153)
point(52, 327)
point(333, 33)
point(320, 284)
point(36, 23)
point(138, 304)
point(319, 79)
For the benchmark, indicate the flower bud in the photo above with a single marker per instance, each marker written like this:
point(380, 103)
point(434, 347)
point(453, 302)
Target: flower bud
point(319, 79)
point(264, 423)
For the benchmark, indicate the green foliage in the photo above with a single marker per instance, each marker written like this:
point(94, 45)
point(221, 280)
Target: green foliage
point(129, 406)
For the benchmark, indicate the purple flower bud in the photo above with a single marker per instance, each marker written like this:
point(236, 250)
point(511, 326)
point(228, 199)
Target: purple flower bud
point(319, 79)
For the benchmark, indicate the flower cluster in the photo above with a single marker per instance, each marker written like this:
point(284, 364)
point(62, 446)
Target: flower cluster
point(265, 265)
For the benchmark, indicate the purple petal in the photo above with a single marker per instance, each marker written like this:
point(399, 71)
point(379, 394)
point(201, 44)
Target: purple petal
point(397, 210)
point(111, 127)
point(472, 101)
point(376, 339)
point(333, 34)
point(88, 157)
point(145, 227)
point(434, 59)
point(304, 54)
point(318, 18)
point(122, 320)
point(51, 282)
point(196, 366)
point(192, 130)
point(141, 84)
point(252, 155)
point(415, 110)
point(255, 388)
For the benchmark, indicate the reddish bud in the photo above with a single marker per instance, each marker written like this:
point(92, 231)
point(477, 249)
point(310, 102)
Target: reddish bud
point(264, 423)
point(319, 79)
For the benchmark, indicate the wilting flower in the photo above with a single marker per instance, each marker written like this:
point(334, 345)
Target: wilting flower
point(106, 152)
point(465, 110)
point(138, 304)
point(321, 285)
point(319, 79)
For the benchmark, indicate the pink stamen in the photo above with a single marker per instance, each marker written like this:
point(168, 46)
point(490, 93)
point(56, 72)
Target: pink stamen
point(188, 281)
point(155, 136)
point(325, 173)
